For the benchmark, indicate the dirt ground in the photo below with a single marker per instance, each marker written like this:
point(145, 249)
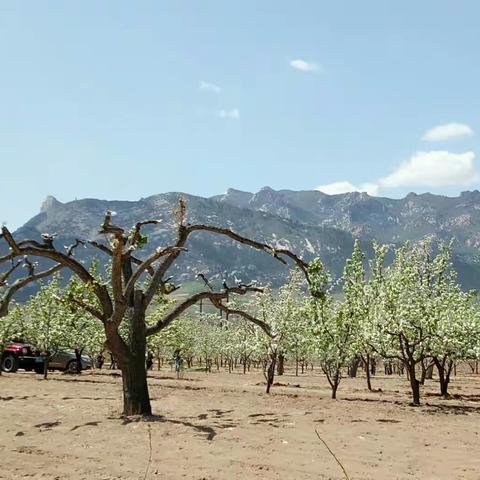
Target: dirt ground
point(221, 426)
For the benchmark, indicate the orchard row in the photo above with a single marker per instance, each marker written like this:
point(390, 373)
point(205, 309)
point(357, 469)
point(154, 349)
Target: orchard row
point(409, 311)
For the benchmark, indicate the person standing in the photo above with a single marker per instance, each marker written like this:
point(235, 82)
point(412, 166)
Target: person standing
point(178, 362)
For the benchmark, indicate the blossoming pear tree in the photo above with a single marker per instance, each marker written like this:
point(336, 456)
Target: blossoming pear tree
point(133, 284)
point(336, 322)
point(283, 312)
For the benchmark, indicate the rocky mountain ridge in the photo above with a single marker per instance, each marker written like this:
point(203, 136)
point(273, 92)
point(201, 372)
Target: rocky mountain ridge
point(310, 223)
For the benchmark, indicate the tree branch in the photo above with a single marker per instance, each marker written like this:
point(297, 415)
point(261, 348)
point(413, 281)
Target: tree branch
point(157, 278)
point(4, 276)
point(135, 236)
point(22, 282)
point(147, 265)
point(64, 260)
point(232, 311)
point(216, 298)
point(185, 231)
point(117, 271)
point(88, 308)
point(108, 228)
point(109, 252)
point(238, 238)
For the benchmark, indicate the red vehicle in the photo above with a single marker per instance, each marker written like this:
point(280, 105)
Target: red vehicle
point(21, 355)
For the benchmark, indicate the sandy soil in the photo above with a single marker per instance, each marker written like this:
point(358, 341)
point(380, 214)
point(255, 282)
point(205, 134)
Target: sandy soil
point(222, 426)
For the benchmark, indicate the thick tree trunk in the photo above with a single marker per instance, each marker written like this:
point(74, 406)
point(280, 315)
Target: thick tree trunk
point(367, 361)
point(208, 365)
point(131, 360)
point(424, 372)
point(136, 399)
point(427, 371)
point(369, 380)
point(415, 386)
point(46, 359)
point(78, 360)
point(270, 371)
point(353, 367)
point(334, 391)
point(443, 382)
point(444, 369)
point(281, 364)
point(334, 381)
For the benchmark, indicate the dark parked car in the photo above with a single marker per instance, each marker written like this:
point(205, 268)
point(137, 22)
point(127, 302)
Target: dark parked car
point(67, 361)
point(25, 356)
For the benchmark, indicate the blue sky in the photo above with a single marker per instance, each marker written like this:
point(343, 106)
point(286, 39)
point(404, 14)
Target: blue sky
point(121, 100)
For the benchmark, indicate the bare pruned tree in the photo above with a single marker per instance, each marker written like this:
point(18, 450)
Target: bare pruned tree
point(8, 290)
point(134, 283)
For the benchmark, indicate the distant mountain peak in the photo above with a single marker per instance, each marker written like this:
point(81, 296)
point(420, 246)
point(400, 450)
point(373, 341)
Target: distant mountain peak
point(234, 191)
point(310, 222)
point(49, 203)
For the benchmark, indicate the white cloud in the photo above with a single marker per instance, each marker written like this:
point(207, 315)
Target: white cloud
point(371, 188)
point(447, 131)
point(209, 87)
point(346, 186)
point(233, 114)
point(436, 168)
point(305, 66)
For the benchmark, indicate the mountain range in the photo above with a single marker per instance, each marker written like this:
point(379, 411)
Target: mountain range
point(310, 223)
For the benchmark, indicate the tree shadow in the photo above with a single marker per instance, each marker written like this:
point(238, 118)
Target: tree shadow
point(47, 425)
point(88, 424)
point(455, 409)
point(179, 387)
point(270, 419)
point(173, 377)
point(373, 400)
point(219, 413)
point(466, 396)
point(89, 398)
point(456, 396)
point(209, 431)
point(82, 380)
point(23, 397)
